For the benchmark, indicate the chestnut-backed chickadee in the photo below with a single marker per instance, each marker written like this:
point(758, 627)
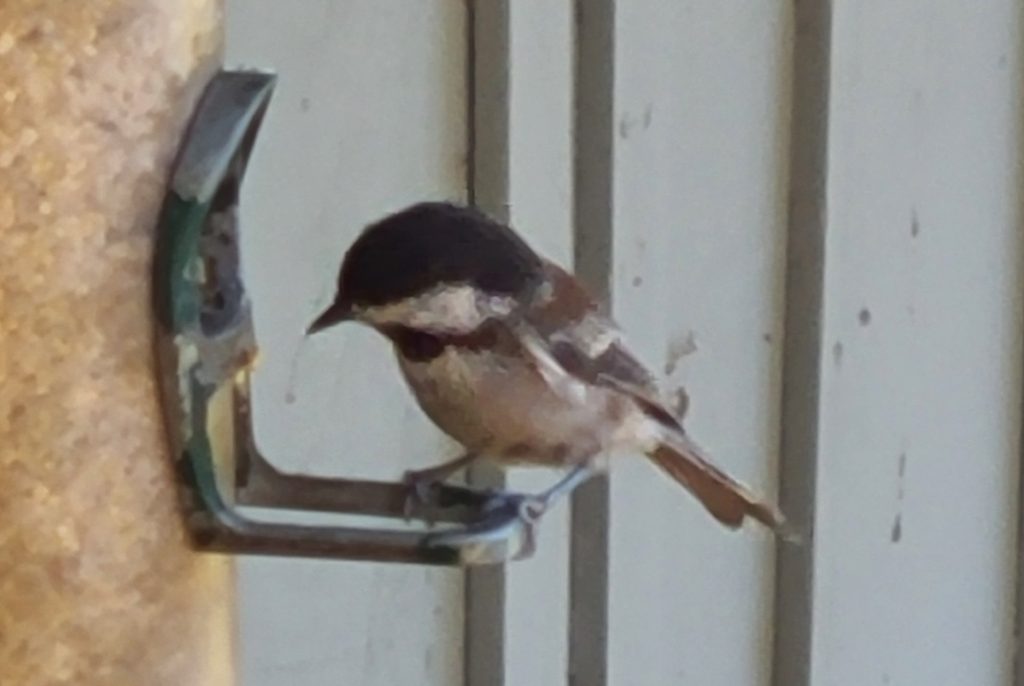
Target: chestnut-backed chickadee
point(508, 354)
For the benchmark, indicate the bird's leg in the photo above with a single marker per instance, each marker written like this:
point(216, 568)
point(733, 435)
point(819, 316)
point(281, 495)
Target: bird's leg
point(532, 507)
point(528, 509)
point(420, 481)
point(576, 477)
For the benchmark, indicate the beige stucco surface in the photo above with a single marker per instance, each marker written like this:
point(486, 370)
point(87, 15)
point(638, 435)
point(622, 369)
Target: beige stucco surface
point(97, 583)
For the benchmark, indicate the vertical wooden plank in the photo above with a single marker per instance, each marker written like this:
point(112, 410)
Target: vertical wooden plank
point(521, 173)
point(701, 121)
point(540, 182)
point(916, 538)
point(1017, 60)
point(593, 198)
point(486, 598)
point(370, 114)
point(802, 346)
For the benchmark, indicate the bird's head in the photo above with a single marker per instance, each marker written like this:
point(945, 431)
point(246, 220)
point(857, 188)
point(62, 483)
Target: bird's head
point(434, 267)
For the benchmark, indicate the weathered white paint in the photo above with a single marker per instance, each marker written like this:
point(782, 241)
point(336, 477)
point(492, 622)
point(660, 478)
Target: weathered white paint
point(924, 237)
point(698, 256)
point(921, 384)
point(540, 180)
point(369, 115)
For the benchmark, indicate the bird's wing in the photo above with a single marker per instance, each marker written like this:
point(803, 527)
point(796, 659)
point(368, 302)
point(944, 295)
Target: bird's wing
point(573, 343)
point(567, 368)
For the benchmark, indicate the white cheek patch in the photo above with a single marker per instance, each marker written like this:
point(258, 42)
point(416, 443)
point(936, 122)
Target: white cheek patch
point(456, 308)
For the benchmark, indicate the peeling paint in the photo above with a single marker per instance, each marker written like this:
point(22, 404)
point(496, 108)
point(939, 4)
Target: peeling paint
point(625, 126)
point(897, 525)
point(897, 528)
point(680, 403)
point(678, 348)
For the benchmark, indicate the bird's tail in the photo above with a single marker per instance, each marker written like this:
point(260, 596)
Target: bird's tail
point(728, 501)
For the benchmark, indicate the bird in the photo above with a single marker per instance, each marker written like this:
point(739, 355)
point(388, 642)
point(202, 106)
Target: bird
point(512, 357)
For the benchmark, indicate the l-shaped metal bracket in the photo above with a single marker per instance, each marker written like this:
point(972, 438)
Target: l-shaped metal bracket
point(206, 351)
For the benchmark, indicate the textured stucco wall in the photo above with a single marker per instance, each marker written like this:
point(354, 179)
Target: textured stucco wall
point(97, 583)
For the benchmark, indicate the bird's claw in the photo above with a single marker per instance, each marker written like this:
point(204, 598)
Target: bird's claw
point(419, 493)
point(529, 510)
point(501, 509)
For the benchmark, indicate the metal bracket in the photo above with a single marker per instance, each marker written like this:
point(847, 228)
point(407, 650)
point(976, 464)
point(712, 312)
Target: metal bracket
point(206, 350)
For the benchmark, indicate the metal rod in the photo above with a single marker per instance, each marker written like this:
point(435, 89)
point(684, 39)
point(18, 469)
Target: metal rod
point(593, 217)
point(801, 363)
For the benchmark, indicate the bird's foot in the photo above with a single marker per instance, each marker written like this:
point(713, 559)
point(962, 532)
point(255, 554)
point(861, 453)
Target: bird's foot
point(501, 511)
point(528, 510)
point(420, 492)
point(424, 484)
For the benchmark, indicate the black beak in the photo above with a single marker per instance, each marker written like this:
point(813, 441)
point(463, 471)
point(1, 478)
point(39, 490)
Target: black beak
point(335, 314)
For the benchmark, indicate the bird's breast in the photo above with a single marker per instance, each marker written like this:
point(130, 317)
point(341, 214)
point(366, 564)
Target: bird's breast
point(497, 404)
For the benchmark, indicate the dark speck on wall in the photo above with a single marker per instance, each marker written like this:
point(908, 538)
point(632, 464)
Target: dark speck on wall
point(304, 104)
point(428, 661)
point(897, 525)
point(638, 281)
point(837, 353)
point(630, 122)
point(864, 317)
point(680, 403)
point(766, 337)
point(915, 224)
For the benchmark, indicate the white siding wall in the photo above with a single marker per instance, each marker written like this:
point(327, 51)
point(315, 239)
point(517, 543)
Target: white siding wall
point(921, 386)
point(369, 114)
point(540, 199)
point(698, 258)
point(914, 549)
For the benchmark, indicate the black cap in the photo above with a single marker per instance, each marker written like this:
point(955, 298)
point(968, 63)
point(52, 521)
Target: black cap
point(426, 245)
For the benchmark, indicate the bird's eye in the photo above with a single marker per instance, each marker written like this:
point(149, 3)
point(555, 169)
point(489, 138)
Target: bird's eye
point(417, 346)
